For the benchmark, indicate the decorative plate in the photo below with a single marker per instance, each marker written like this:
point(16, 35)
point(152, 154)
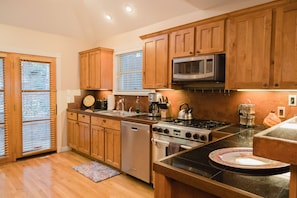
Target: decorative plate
point(243, 158)
point(89, 100)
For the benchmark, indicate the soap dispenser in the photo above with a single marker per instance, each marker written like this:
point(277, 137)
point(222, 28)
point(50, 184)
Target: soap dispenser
point(137, 107)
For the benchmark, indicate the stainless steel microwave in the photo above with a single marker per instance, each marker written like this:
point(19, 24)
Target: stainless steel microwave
point(199, 68)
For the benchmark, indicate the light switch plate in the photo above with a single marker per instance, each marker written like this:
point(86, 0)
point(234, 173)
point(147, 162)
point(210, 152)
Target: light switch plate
point(292, 100)
point(281, 112)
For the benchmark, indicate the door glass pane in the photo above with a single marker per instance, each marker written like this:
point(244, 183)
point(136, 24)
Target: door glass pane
point(36, 105)
point(36, 136)
point(36, 131)
point(35, 76)
point(3, 140)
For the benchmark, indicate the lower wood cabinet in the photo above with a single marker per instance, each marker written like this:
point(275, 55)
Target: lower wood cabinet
point(84, 139)
point(98, 137)
point(106, 140)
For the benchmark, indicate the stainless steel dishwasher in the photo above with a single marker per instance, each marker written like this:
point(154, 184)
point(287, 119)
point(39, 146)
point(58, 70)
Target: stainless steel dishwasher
point(136, 150)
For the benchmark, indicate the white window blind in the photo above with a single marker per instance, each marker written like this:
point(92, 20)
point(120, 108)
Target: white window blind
point(129, 72)
point(3, 135)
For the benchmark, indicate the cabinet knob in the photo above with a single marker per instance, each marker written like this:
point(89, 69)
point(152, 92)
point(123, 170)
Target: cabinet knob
point(276, 85)
point(104, 120)
point(191, 52)
point(197, 52)
point(265, 85)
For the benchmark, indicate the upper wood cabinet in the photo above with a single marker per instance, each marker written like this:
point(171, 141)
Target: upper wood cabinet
point(155, 62)
point(96, 69)
point(182, 42)
point(210, 37)
point(285, 59)
point(248, 50)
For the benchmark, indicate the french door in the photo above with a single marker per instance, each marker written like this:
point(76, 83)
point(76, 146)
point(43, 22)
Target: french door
point(30, 109)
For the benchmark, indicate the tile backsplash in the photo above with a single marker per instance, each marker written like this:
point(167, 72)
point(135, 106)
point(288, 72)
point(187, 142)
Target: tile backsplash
point(215, 105)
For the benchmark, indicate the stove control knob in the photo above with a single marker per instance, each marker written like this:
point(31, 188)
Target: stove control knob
point(196, 136)
point(155, 129)
point(188, 135)
point(166, 131)
point(203, 137)
point(160, 130)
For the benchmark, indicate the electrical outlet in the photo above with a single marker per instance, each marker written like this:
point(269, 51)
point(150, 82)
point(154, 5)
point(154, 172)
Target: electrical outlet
point(281, 112)
point(292, 100)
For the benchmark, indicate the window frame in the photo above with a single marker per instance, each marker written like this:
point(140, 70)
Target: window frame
point(143, 92)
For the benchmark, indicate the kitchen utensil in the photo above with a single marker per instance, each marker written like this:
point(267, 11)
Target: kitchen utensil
point(185, 112)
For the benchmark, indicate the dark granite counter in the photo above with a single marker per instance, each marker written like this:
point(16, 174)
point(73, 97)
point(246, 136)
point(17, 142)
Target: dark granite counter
point(194, 167)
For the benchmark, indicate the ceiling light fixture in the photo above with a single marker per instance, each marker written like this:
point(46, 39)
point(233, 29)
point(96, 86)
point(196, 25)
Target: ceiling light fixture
point(128, 9)
point(108, 17)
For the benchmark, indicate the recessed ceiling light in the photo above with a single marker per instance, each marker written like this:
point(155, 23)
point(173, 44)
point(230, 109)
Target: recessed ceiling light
point(128, 9)
point(108, 17)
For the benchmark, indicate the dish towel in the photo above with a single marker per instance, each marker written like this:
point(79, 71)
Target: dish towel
point(173, 148)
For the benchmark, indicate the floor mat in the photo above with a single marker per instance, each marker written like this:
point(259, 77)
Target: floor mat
point(96, 171)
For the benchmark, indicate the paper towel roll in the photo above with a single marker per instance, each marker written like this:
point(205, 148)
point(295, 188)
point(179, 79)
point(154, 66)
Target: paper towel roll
point(110, 102)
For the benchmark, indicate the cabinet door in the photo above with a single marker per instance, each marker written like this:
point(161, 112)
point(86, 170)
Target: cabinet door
point(94, 70)
point(285, 68)
point(106, 76)
point(113, 147)
point(84, 70)
point(182, 43)
point(155, 62)
point(72, 130)
point(210, 37)
point(248, 52)
point(84, 138)
point(97, 142)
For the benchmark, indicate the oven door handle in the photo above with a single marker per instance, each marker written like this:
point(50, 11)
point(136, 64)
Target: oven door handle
point(167, 143)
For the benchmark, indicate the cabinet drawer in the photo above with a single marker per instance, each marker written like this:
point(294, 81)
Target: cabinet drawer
point(72, 115)
point(106, 123)
point(83, 118)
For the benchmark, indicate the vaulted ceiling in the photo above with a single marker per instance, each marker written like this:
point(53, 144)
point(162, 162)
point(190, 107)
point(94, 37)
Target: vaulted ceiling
point(84, 19)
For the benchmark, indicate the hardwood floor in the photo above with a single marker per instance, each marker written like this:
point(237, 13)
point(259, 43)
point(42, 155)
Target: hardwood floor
point(53, 176)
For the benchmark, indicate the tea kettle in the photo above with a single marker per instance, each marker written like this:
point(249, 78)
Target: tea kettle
point(185, 112)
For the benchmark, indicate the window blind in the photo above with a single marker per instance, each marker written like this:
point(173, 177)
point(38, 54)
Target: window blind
point(3, 132)
point(129, 76)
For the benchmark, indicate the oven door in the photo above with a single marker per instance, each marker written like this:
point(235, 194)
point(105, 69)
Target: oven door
point(160, 147)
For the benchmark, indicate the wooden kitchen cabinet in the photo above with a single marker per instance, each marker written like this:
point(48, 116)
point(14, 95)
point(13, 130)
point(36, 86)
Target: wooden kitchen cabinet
point(84, 140)
point(113, 147)
point(182, 42)
point(285, 57)
point(155, 62)
point(248, 50)
point(96, 69)
point(97, 142)
point(72, 130)
point(106, 140)
point(210, 37)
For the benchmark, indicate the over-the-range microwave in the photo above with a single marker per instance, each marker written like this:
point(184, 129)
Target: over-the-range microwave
point(199, 68)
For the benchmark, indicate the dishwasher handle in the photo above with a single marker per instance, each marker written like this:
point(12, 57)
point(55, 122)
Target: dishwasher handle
point(135, 129)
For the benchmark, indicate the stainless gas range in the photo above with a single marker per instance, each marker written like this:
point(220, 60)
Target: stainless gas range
point(184, 134)
point(194, 130)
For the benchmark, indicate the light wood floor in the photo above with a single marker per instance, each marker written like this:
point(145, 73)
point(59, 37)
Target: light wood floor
point(53, 176)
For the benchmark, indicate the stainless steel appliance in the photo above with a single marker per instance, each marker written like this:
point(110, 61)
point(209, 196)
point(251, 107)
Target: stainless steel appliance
point(154, 100)
point(199, 68)
point(135, 145)
point(185, 134)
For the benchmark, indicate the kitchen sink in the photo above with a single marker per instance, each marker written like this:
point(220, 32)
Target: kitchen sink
point(119, 113)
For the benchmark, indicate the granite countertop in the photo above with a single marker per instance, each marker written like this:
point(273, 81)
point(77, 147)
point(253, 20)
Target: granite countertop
point(194, 167)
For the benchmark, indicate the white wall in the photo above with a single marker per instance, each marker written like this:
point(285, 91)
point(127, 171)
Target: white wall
point(65, 50)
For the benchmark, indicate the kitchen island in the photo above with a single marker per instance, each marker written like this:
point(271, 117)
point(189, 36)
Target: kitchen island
point(193, 174)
